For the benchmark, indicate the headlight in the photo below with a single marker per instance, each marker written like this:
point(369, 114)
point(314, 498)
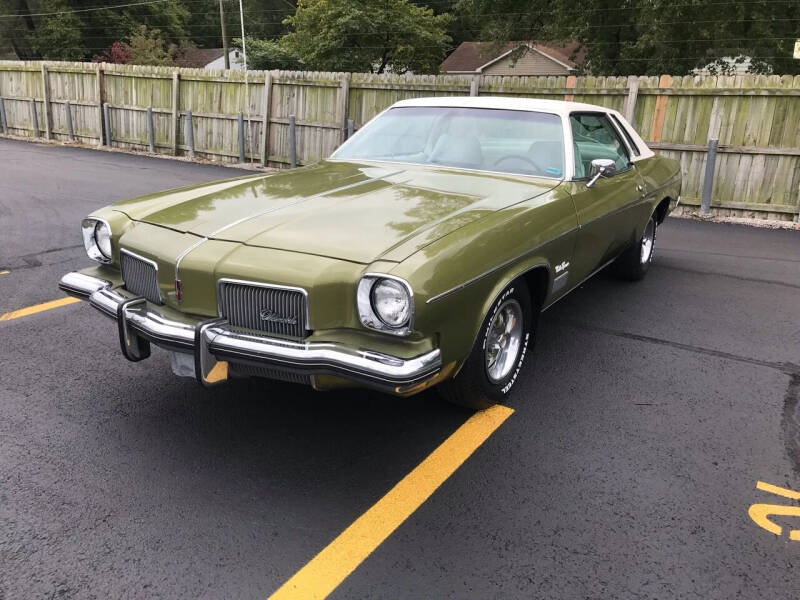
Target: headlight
point(391, 302)
point(97, 239)
point(385, 304)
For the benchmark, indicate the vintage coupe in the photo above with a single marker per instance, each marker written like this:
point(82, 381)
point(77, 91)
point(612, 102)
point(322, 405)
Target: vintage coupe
point(420, 253)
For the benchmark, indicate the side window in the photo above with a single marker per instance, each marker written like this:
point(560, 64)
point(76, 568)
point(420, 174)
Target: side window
point(593, 137)
point(631, 144)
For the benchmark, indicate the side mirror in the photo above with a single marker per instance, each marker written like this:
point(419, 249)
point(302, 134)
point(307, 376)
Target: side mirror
point(601, 167)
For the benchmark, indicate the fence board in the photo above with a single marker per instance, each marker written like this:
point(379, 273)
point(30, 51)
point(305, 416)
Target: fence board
point(755, 118)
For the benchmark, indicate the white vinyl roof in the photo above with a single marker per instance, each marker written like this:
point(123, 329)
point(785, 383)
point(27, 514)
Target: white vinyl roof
point(559, 107)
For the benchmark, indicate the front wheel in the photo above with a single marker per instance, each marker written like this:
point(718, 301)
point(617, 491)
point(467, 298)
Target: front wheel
point(634, 263)
point(493, 365)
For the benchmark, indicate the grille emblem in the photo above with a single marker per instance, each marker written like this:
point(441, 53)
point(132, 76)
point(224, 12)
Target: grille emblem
point(273, 317)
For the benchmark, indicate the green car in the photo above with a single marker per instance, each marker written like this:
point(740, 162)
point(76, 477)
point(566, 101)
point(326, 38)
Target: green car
point(420, 253)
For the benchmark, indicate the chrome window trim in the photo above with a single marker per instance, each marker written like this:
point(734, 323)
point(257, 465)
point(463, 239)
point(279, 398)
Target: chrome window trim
point(607, 115)
point(273, 286)
point(149, 261)
point(627, 139)
point(364, 295)
point(104, 261)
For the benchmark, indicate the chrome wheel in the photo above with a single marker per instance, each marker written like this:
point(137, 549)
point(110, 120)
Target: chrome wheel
point(503, 340)
point(648, 240)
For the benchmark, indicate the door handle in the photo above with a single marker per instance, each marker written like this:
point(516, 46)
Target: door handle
point(640, 187)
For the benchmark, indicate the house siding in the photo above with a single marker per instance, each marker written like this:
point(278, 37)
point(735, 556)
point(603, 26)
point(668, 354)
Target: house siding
point(530, 63)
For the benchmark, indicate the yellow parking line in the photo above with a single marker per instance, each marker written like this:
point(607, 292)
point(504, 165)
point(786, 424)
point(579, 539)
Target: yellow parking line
point(36, 308)
point(341, 557)
point(4, 272)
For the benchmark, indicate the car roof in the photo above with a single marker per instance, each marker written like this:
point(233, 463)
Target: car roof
point(560, 107)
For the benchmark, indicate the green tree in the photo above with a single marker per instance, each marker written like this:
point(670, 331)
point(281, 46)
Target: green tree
point(367, 35)
point(650, 36)
point(269, 54)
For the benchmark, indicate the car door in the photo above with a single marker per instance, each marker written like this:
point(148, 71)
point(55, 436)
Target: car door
point(606, 210)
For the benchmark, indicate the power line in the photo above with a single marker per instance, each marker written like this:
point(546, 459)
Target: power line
point(82, 10)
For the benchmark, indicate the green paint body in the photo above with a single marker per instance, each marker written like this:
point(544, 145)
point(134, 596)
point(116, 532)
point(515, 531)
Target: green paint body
point(458, 237)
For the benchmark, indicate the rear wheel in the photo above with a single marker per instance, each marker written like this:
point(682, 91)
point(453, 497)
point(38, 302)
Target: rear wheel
point(634, 263)
point(505, 337)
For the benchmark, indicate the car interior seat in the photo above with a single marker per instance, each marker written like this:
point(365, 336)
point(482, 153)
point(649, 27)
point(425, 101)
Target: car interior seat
point(548, 156)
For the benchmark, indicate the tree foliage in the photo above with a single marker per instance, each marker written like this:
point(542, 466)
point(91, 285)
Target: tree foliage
point(367, 36)
point(650, 36)
point(269, 54)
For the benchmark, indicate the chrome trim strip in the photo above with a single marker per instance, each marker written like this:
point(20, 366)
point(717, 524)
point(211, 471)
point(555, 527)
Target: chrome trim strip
point(273, 286)
point(461, 286)
point(204, 239)
point(317, 356)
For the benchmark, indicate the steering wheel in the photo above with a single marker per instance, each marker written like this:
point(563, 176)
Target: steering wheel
point(521, 157)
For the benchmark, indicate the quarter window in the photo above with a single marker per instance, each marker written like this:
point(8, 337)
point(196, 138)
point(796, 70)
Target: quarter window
point(628, 138)
point(593, 136)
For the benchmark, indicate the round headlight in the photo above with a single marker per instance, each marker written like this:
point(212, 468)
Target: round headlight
point(102, 237)
point(391, 302)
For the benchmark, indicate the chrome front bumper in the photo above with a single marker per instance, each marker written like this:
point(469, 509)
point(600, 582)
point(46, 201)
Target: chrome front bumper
point(214, 344)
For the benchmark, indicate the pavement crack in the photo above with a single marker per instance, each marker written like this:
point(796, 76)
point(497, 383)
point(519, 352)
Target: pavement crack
point(746, 257)
point(784, 367)
point(727, 275)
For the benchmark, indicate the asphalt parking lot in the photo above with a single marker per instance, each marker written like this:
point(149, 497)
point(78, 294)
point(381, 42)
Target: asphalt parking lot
point(627, 469)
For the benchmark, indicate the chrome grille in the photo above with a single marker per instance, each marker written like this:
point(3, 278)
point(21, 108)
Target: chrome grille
point(265, 308)
point(270, 373)
point(140, 276)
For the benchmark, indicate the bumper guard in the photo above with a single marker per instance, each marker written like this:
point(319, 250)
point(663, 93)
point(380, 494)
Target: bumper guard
point(213, 342)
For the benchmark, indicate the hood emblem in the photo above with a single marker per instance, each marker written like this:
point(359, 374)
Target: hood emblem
point(271, 316)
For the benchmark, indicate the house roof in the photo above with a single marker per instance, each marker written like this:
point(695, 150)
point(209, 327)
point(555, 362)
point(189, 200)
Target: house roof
point(198, 57)
point(469, 57)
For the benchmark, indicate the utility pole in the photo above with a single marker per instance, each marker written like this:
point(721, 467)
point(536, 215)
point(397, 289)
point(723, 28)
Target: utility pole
point(224, 36)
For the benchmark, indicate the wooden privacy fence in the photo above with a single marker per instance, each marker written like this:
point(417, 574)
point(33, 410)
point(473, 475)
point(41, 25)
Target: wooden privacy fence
point(232, 116)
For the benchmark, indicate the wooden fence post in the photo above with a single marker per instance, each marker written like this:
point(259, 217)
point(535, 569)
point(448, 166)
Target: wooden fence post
point(292, 142)
point(344, 97)
point(98, 93)
point(190, 133)
point(240, 120)
point(34, 118)
point(475, 86)
point(629, 109)
point(151, 138)
point(48, 120)
point(708, 179)
point(176, 124)
point(107, 123)
point(351, 127)
point(3, 118)
point(68, 115)
point(265, 115)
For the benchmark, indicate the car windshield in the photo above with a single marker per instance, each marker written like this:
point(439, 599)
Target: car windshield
point(506, 141)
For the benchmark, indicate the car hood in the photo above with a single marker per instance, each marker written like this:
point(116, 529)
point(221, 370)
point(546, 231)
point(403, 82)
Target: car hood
point(358, 212)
